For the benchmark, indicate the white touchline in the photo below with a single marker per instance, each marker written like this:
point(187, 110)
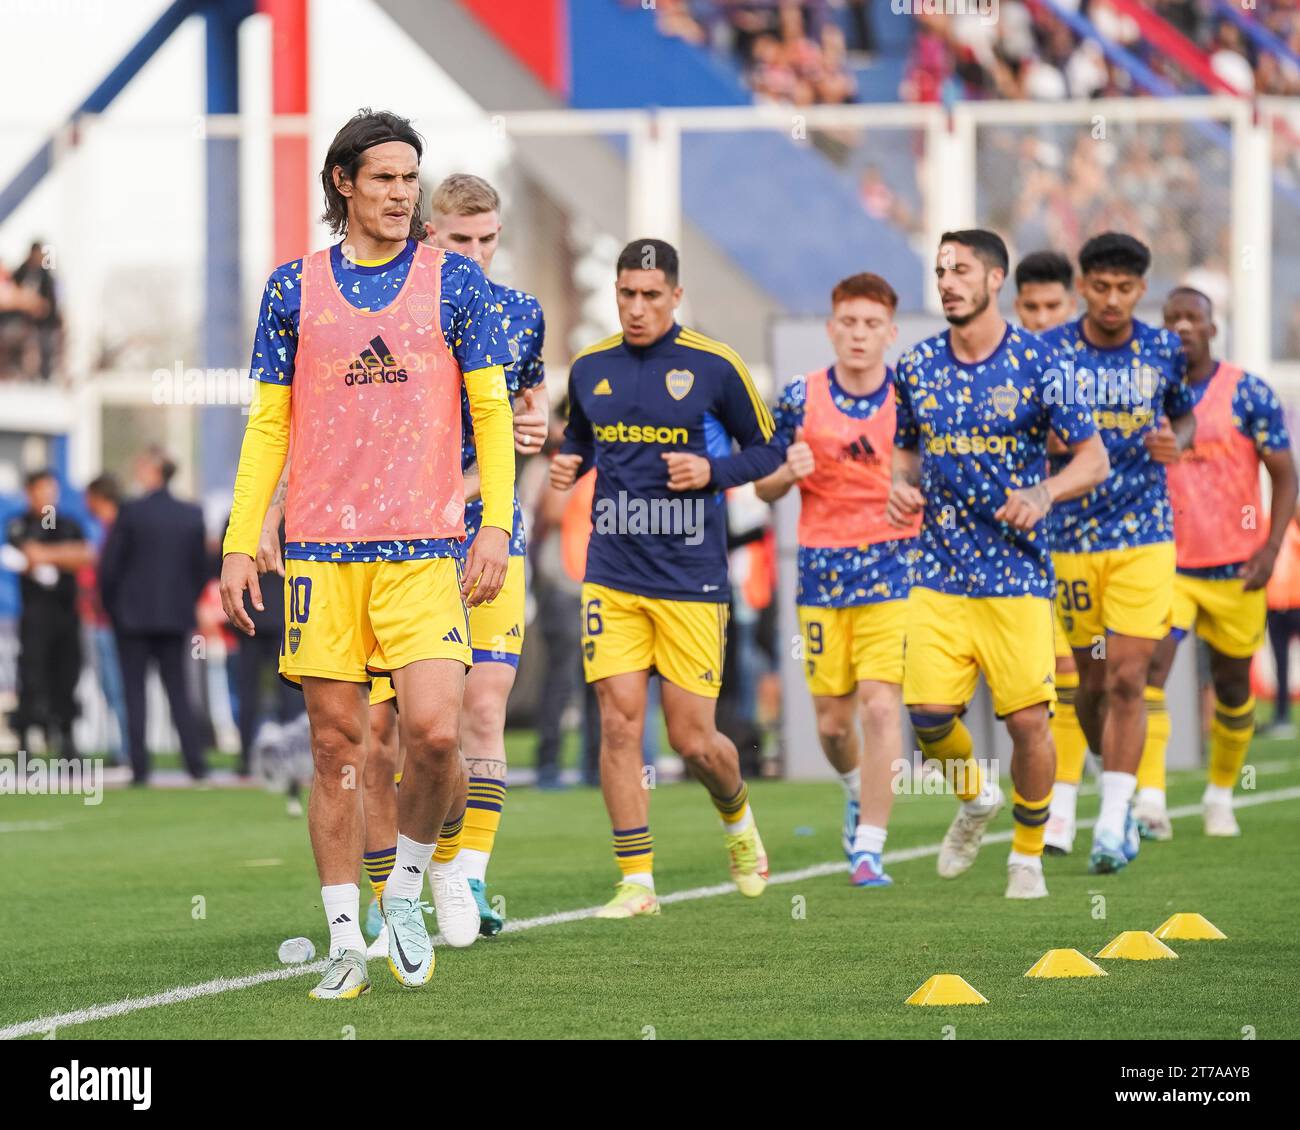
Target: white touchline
point(230, 984)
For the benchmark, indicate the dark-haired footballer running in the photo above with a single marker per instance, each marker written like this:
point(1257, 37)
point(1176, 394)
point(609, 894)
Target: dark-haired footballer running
point(656, 409)
point(975, 406)
point(1113, 549)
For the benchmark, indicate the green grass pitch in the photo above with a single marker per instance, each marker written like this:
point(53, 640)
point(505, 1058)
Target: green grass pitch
point(103, 904)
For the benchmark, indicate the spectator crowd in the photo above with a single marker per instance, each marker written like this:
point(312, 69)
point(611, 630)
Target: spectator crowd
point(794, 51)
point(30, 320)
point(1028, 53)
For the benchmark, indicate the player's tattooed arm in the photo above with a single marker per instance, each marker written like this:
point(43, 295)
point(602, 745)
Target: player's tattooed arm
point(486, 767)
point(1024, 509)
point(905, 497)
point(1088, 467)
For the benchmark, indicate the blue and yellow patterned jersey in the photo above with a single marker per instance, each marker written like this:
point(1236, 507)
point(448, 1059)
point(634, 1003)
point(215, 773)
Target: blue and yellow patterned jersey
point(471, 325)
point(525, 331)
point(1128, 388)
point(981, 430)
point(630, 405)
point(1257, 413)
point(852, 575)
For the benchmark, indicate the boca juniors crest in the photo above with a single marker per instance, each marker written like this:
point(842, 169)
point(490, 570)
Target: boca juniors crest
point(421, 308)
point(1005, 398)
point(678, 382)
point(295, 638)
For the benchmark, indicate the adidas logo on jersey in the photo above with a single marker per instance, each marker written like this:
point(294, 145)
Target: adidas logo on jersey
point(859, 451)
point(602, 388)
point(706, 676)
point(454, 636)
point(375, 365)
point(514, 631)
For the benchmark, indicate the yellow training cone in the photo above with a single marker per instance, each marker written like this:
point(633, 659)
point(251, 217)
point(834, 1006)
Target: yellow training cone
point(1065, 963)
point(1190, 928)
point(946, 988)
point(1137, 945)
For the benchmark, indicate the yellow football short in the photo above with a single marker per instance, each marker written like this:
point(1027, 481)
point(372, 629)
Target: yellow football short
point(344, 619)
point(1129, 592)
point(684, 640)
point(843, 647)
point(1229, 619)
point(1059, 639)
point(496, 629)
point(951, 639)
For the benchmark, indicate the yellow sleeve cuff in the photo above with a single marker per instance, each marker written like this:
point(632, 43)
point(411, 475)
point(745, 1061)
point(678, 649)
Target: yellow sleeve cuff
point(489, 406)
point(261, 459)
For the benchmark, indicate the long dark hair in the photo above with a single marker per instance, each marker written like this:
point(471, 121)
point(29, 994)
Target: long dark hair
point(365, 128)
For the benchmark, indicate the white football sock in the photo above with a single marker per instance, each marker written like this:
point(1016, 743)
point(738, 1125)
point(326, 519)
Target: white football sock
point(1216, 794)
point(740, 825)
point(852, 782)
point(474, 863)
point(1034, 861)
point(1065, 801)
point(342, 902)
point(987, 795)
point(869, 838)
point(412, 861)
point(644, 879)
point(1154, 798)
point(1116, 792)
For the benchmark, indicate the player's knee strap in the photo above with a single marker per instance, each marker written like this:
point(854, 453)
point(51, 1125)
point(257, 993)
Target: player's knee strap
point(932, 727)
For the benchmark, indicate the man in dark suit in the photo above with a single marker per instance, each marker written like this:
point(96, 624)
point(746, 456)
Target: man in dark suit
point(153, 568)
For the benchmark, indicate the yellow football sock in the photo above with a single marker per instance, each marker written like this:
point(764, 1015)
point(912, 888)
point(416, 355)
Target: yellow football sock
point(1029, 822)
point(1071, 745)
point(945, 738)
point(1230, 736)
point(379, 865)
point(1151, 769)
point(733, 809)
point(634, 850)
point(449, 840)
point(487, 795)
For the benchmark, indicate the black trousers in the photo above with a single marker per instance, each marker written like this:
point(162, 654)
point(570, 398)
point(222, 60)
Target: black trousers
point(254, 659)
point(1283, 626)
point(171, 654)
point(49, 665)
point(557, 622)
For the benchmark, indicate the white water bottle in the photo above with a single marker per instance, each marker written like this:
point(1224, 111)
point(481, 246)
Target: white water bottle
point(294, 951)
